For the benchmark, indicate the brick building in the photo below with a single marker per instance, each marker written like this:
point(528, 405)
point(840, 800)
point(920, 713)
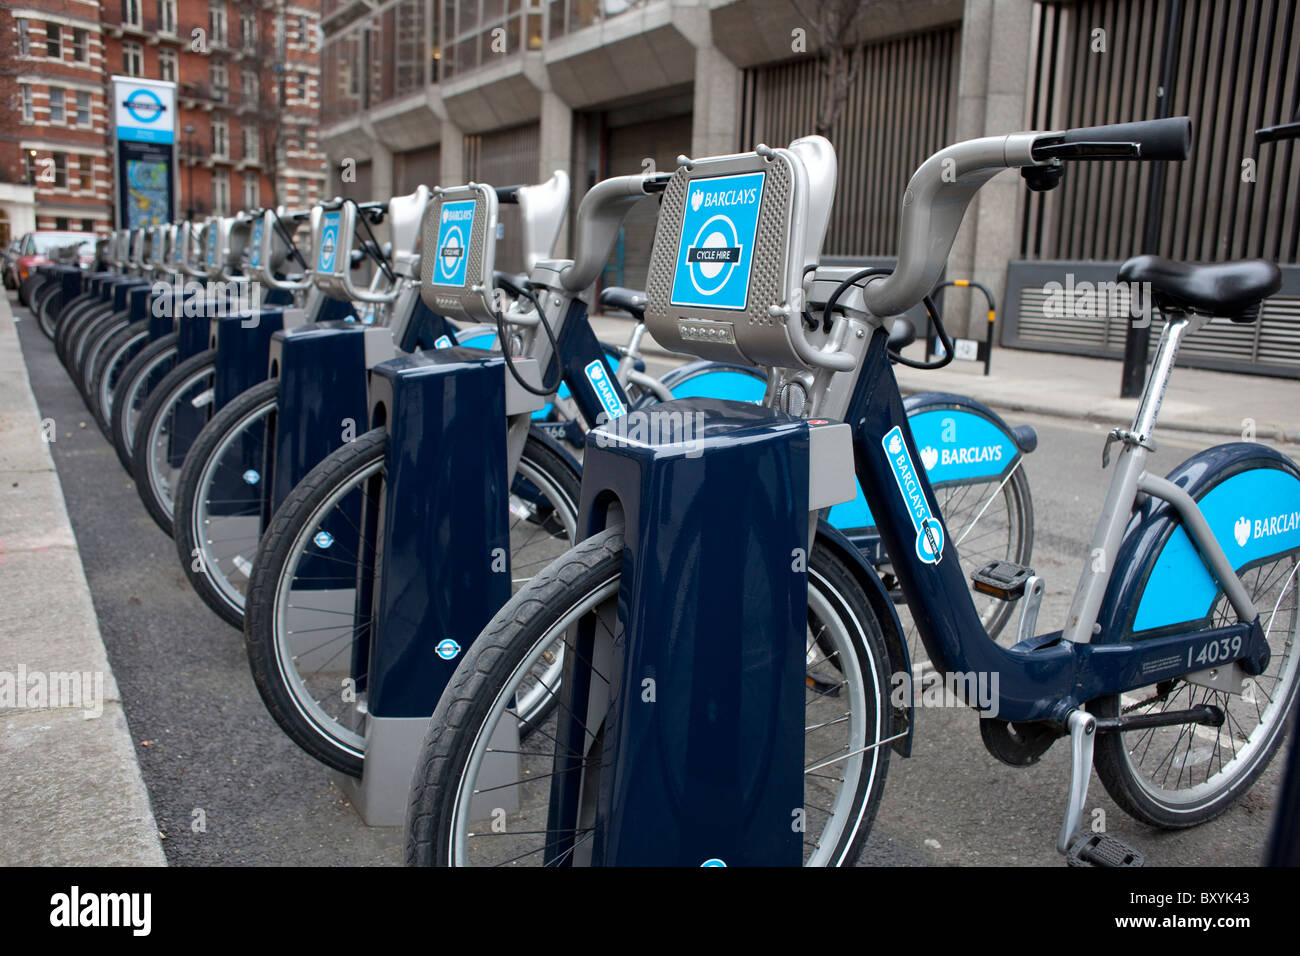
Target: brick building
point(55, 132)
point(248, 79)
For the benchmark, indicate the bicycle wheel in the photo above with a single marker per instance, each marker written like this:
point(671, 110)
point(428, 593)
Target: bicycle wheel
point(217, 507)
point(304, 638)
point(169, 422)
point(448, 823)
point(1182, 775)
point(107, 371)
point(83, 366)
point(43, 306)
point(70, 314)
point(70, 332)
point(150, 365)
point(987, 521)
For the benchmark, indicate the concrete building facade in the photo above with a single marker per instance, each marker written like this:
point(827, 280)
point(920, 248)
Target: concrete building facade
point(441, 91)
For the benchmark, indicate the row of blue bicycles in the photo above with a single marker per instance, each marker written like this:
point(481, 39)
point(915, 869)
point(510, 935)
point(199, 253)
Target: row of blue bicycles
point(659, 620)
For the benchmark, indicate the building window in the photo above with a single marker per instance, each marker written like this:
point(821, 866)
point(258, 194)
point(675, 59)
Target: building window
point(29, 160)
point(58, 112)
point(252, 194)
point(60, 170)
point(83, 109)
point(221, 192)
point(81, 45)
point(87, 225)
point(217, 23)
point(248, 29)
point(304, 191)
point(167, 65)
point(24, 38)
point(220, 137)
point(302, 86)
point(167, 16)
point(29, 114)
point(219, 75)
point(53, 41)
point(131, 13)
point(132, 59)
point(61, 222)
point(248, 87)
point(86, 175)
point(250, 143)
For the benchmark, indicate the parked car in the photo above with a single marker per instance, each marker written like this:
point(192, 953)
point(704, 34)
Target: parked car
point(8, 259)
point(36, 249)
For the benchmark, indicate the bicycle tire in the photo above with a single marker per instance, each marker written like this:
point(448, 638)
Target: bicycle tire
point(113, 359)
point(188, 513)
point(139, 377)
point(298, 516)
point(162, 400)
point(585, 576)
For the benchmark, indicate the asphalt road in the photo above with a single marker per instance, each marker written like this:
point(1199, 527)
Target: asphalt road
point(229, 789)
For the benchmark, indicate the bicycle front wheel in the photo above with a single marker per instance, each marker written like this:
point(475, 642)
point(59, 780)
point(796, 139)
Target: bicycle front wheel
point(217, 507)
point(169, 422)
point(468, 768)
point(149, 367)
point(307, 642)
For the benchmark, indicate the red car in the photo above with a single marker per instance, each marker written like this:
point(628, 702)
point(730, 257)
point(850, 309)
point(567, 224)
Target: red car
point(35, 249)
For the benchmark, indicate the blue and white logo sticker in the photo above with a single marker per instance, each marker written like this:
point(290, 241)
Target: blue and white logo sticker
point(212, 245)
point(447, 649)
point(598, 375)
point(716, 249)
point(323, 539)
point(929, 531)
point(454, 230)
point(442, 342)
point(255, 253)
point(252, 477)
point(329, 242)
point(713, 862)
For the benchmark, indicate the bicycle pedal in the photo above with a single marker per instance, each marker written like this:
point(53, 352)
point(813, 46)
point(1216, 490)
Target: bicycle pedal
point(1098, 849)
point(1002, 579)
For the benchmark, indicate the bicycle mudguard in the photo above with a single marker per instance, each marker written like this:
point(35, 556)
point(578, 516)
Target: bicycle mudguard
point(1250, 497)
point(708, 379)
point(961, 441)
point(900, 662)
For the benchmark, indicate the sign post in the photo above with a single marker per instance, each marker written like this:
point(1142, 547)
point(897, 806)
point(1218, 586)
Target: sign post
point(144, 142)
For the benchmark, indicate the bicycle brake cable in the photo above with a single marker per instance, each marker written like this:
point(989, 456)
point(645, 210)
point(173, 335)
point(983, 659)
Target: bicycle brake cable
point(898, 357)
point(545, 391)
point(373, 249)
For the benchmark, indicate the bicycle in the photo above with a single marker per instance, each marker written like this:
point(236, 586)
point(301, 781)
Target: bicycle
point(1149, 657)
point(221, 489)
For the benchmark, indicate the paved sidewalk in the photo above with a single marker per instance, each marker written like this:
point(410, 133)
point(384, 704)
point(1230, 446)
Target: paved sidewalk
point(70, 786)
point(1070, 386)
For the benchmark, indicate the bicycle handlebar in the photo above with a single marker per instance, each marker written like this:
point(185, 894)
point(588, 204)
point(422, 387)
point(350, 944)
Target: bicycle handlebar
point(1274, 134)
point(599, 217)
point(1149, 140)
point(938, 193)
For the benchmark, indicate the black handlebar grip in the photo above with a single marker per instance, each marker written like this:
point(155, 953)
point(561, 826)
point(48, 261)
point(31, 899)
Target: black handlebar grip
point(508, 194)
point(1274, 134)
point(1158, 139)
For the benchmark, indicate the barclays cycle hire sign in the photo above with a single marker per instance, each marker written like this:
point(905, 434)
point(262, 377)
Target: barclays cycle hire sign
point(454, 230)
point(144, 112)
point(716, 250)
point(329, 242)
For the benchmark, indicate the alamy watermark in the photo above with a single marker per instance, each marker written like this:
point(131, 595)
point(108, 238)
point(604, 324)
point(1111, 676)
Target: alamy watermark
point(652, 427)
point(978, 689)
point(1091, 300)
point(49, 690)
point(209, 299)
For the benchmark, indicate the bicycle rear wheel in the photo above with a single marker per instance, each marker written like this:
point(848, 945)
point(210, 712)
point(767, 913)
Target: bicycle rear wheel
point(305, 638)
point(453, 807)
point(1178, 776)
